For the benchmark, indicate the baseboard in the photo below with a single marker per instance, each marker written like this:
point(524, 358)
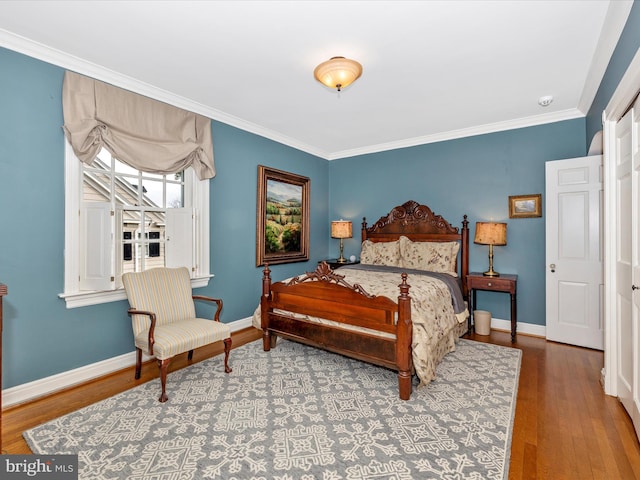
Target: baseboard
point(524, 328)
point(45, 386)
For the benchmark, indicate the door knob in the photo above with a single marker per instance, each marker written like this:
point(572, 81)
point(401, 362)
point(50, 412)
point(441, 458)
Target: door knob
point(553, 267)
point(634, 287)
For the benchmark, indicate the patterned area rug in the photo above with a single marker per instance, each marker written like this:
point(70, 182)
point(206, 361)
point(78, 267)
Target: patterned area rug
point(300, 413)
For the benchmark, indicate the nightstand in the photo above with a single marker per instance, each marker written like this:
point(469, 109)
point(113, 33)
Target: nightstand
point(333, 263)
point(505, 283)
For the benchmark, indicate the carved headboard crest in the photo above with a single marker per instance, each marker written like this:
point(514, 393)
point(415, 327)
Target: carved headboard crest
point(324, 273)
point(410, 213)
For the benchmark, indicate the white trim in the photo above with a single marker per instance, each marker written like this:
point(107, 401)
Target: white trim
point(72, 172)
point(200, 197)
point(56, 57)
point(615, 20)
point(610, 370)
point(569, 114)
point(46, 386)
point(624, 94)
point(43, 52)
point(84, 299)
point(197, 194)
point(524, 328)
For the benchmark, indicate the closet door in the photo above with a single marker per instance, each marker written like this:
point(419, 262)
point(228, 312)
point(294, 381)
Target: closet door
point(627, 261)
point(635, 265)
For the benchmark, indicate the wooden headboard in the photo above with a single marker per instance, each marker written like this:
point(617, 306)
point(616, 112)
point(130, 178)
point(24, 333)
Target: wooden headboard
point(419, 224)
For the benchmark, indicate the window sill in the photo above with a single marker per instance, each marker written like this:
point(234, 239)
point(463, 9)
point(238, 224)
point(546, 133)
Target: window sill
point(84, 299)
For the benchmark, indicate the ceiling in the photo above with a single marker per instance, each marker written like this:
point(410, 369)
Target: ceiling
point(433, 70)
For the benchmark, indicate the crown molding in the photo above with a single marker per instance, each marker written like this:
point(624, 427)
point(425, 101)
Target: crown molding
point(614, 23)
point(70, 62)
point(569, 114)
point(625, 93)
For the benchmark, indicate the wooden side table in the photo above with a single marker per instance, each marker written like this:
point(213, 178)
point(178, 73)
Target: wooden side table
point(505, 283)
point(333, 263)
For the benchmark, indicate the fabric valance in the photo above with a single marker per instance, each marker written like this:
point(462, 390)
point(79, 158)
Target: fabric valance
point(144, 133)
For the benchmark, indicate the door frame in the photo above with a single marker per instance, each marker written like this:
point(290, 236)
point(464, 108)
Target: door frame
point(621, 99)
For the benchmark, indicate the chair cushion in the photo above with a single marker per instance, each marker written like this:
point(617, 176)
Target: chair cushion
point(174, 338)
point(163, 291)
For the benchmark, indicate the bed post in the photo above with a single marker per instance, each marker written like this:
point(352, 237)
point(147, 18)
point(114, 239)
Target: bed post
point(404, 335)
point(364, 229)
point(267, 340)
point(464, 268)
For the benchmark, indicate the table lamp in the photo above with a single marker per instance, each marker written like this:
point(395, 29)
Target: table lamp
point(491, 233)
point(341, 229)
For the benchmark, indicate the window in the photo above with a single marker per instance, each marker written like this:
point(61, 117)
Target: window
point(154, 247)
point(119, 219)
point(126, 246)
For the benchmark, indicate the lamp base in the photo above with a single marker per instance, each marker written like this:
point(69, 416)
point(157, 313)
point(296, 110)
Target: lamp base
point(491, 272)
point(342, 259)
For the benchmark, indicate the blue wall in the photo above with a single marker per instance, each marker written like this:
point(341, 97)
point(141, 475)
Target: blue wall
point(627, 47)
point(472, 176)
point(41, 336)
point(233, 215)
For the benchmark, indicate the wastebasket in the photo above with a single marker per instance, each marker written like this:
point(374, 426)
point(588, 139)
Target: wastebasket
point(482, 322)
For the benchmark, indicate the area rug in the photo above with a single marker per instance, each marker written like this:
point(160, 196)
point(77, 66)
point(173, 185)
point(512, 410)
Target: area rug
point(299, 413)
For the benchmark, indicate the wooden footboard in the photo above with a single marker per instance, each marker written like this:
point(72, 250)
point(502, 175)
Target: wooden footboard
point(324, 294)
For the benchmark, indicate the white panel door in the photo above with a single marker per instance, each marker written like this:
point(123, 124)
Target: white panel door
point(574, 268)
point(634, 412)
point(624, 217)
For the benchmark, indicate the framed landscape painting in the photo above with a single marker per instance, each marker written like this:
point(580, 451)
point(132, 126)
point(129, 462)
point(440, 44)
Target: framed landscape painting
point(282, 234)
point(525, 206)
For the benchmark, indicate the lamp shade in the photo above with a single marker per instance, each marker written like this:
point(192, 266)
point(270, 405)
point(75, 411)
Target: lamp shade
point(491, 233)
point(338, 72)
point(341, 229)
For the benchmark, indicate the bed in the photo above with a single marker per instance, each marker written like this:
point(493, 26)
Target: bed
point(384, 311)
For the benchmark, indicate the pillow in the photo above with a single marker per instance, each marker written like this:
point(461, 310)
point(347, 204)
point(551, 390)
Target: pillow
point(430, 256)
point(380, 253)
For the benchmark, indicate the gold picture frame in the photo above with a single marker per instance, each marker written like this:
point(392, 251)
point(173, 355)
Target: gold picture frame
point(282, 234)
point(525, 206)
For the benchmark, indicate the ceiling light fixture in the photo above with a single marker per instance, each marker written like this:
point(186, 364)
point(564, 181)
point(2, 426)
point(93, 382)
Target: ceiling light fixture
point(338, 72)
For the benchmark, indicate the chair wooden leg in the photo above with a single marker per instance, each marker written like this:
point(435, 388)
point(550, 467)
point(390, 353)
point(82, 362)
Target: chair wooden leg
point(164, 366)
point(227, 349)
point(190, 356)
point(138, 363)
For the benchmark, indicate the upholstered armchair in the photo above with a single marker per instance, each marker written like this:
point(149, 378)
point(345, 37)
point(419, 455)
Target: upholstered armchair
point(163, 317)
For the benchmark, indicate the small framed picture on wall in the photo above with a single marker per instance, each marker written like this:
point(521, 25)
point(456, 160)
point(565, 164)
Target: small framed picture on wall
point(525, 206)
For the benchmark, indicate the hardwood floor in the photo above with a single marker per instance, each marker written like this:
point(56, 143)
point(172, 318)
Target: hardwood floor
point(565, 426)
